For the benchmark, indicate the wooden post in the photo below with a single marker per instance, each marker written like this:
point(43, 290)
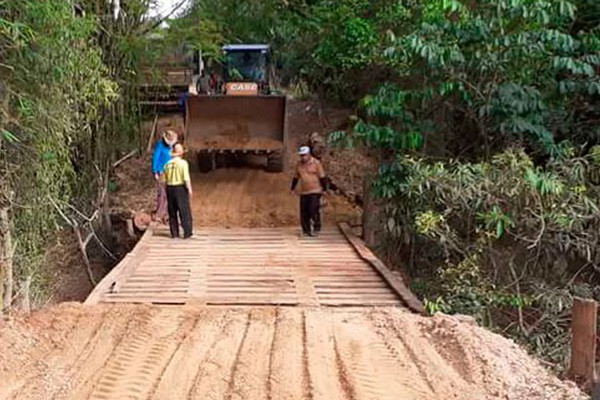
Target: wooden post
point(584, 339)
point(371, 217)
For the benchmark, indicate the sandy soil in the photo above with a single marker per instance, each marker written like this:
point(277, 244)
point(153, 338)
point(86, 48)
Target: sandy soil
point(254, 198)
point(142, 352)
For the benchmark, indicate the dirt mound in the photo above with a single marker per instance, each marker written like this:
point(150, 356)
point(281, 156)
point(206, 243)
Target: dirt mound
point(76, 352)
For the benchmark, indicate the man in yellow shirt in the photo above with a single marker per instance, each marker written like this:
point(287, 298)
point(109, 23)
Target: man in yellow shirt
point(313, 182)
point(179, 193)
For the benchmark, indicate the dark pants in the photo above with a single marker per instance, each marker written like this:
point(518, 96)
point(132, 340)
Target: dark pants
point(178, 200)
point(310, 205)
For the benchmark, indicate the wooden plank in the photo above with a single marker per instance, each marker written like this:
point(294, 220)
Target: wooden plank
point(327, 280)
point(283, 255)
point(354, 289)
point(212, 299)
point(251, 302)
point(154, 291)
point(257, 284)
point(146, 300)
point(154, 278)
point(359, 296)
point(584, 323)
point(349, 303)
point(251, 290)
point(157, 296)
point(157, 285)
point(394, 281)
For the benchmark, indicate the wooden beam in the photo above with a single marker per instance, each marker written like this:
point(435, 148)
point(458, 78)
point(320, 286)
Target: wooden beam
point(585, 312)
point(395, 282)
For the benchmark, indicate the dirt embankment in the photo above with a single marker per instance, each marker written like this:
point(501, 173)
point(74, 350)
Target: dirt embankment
point(116, 352)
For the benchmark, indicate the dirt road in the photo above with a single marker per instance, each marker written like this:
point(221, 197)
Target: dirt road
point(249, 198)
point(143, 352)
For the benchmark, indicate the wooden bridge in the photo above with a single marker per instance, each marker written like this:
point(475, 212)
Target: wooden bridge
point(254, 267)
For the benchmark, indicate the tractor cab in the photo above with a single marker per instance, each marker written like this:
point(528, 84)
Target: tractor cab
point(246, 69)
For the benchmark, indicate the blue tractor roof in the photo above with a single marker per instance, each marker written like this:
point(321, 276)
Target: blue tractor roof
point(241, 47)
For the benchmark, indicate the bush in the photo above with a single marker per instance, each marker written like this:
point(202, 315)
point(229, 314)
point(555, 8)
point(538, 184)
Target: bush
point(503, 232)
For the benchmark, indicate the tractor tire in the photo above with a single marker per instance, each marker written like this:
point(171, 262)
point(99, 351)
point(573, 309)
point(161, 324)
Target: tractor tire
point(275, 162)
point(222, 160)
point(205, 162)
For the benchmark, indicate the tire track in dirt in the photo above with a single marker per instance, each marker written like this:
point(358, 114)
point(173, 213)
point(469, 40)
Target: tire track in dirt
point(270, 378)
point(404, 339)
point(111, 338)
point(322, 358)
point(236, 361)
point(130, 373)
point(180, 371)
point(189, 327)
point(250, 376)
point(288, 379)
point(269, 353)
point(91, 343)
point(368, 370)
point(209, 382)
point(306, 381)
point(342, 373)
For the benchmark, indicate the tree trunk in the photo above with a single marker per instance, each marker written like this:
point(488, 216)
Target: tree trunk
point(371, 217)
point(6, 259)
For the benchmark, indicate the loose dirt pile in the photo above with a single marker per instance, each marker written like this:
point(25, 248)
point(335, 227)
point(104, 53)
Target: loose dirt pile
point(142, 352)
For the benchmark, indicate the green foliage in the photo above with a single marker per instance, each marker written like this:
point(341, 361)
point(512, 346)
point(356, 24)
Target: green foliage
point(508, 69)
point(501, 230)
point(61, 79)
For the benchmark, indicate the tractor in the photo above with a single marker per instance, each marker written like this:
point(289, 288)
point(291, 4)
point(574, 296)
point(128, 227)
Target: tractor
point(236, 113)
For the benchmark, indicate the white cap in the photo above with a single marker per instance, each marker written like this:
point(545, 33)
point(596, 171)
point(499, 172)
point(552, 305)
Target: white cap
point(304, 150)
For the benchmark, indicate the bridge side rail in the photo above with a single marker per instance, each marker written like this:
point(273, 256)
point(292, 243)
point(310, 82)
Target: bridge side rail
point(395, 281)
point(122, 269)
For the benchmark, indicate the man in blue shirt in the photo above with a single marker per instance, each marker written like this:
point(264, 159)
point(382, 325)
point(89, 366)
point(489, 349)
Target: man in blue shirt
point(160, 157)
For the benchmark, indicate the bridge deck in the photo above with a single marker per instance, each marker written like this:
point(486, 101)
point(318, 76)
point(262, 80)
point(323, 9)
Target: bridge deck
point(247, 266)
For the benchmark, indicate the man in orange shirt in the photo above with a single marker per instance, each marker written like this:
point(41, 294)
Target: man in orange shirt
point(313, 183)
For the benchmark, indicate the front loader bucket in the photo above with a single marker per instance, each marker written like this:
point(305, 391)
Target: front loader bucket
point(235, 122)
